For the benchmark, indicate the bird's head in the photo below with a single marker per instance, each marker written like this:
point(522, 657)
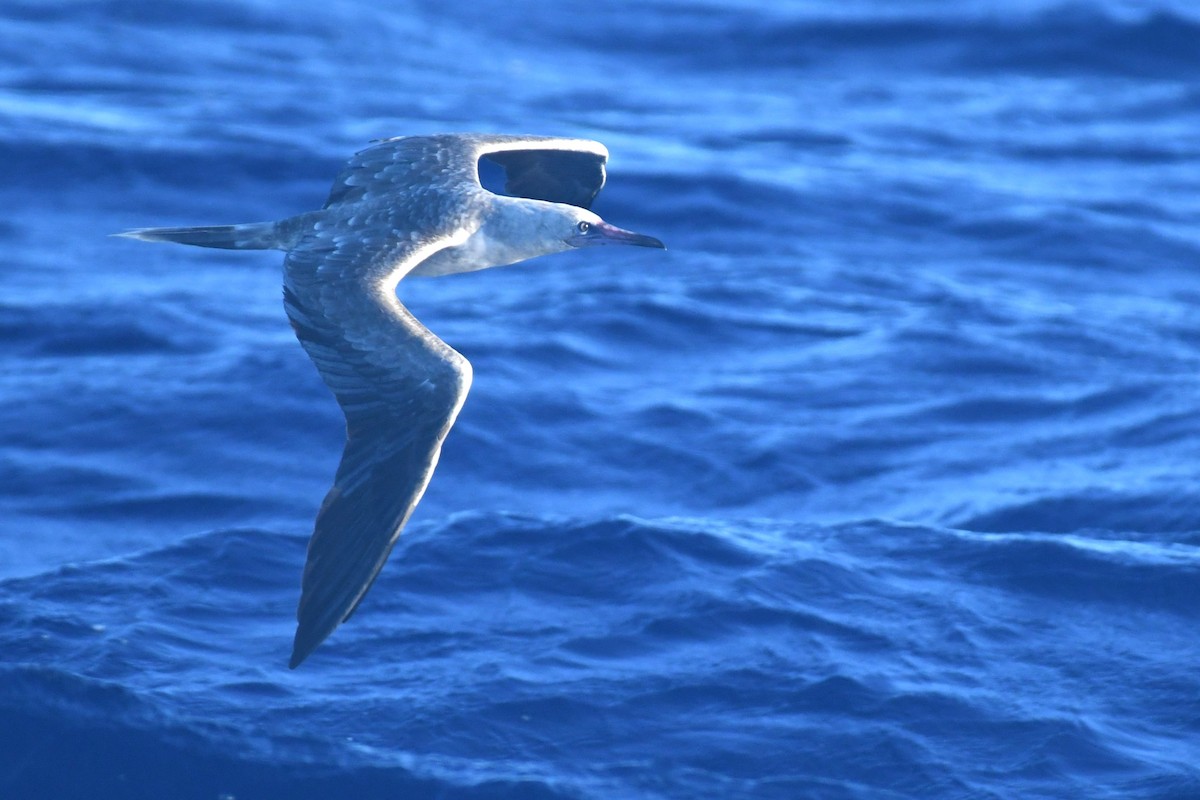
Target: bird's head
point(581, 228)
point(518, 228)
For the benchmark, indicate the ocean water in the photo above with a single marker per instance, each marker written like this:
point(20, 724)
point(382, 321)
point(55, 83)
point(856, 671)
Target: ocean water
point(881, 482)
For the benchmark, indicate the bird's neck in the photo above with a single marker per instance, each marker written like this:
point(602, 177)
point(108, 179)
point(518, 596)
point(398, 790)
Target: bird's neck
point(518, 228)
point(511, 231)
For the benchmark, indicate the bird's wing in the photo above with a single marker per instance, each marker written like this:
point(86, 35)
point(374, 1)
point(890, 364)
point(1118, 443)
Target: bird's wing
point(567, 171)
point(559, 170)
point(404, 162)
point(400, 387)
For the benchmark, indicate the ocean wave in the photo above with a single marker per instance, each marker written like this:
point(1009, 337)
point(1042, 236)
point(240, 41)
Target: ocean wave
point(613, 635)
point(1068, 39)
point(1131, 511)
point(906, 412)
point(96, 329)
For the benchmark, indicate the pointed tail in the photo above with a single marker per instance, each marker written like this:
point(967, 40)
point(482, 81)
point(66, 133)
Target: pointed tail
point(251, 236)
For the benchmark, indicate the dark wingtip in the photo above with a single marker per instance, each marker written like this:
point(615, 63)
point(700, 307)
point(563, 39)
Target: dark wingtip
point(313, 628)
point(301, 650)
point(305, 642)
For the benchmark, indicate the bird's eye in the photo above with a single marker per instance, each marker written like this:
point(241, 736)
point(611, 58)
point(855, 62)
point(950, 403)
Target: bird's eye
point(584, 227)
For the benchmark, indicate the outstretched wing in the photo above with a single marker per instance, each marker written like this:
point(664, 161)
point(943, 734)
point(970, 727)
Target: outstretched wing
point(400, 387)
point(559, 170)
point(404, 163)
point(573, 177)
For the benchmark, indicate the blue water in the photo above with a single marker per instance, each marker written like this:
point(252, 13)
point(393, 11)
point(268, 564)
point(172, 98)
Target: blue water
point(880, 483)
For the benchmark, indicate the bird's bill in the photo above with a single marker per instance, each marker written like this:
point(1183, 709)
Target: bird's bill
point(603, 233)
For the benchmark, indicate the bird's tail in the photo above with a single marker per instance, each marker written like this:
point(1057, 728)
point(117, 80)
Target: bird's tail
point(251, 236)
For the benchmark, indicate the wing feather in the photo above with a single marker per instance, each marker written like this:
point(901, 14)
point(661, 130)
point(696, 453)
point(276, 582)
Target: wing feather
point(400, 388)
point(555, 169)
point(559, 176)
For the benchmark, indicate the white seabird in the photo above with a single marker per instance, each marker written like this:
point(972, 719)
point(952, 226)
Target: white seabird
point(406, 206)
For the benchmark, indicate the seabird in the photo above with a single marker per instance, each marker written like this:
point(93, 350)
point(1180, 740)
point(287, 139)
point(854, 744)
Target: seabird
point(411, 205)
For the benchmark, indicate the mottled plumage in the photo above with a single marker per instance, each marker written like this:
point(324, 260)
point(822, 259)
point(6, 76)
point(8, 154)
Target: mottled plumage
point(412, 205)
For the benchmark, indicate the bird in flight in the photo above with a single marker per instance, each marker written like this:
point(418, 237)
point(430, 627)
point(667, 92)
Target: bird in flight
point(406, 206)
